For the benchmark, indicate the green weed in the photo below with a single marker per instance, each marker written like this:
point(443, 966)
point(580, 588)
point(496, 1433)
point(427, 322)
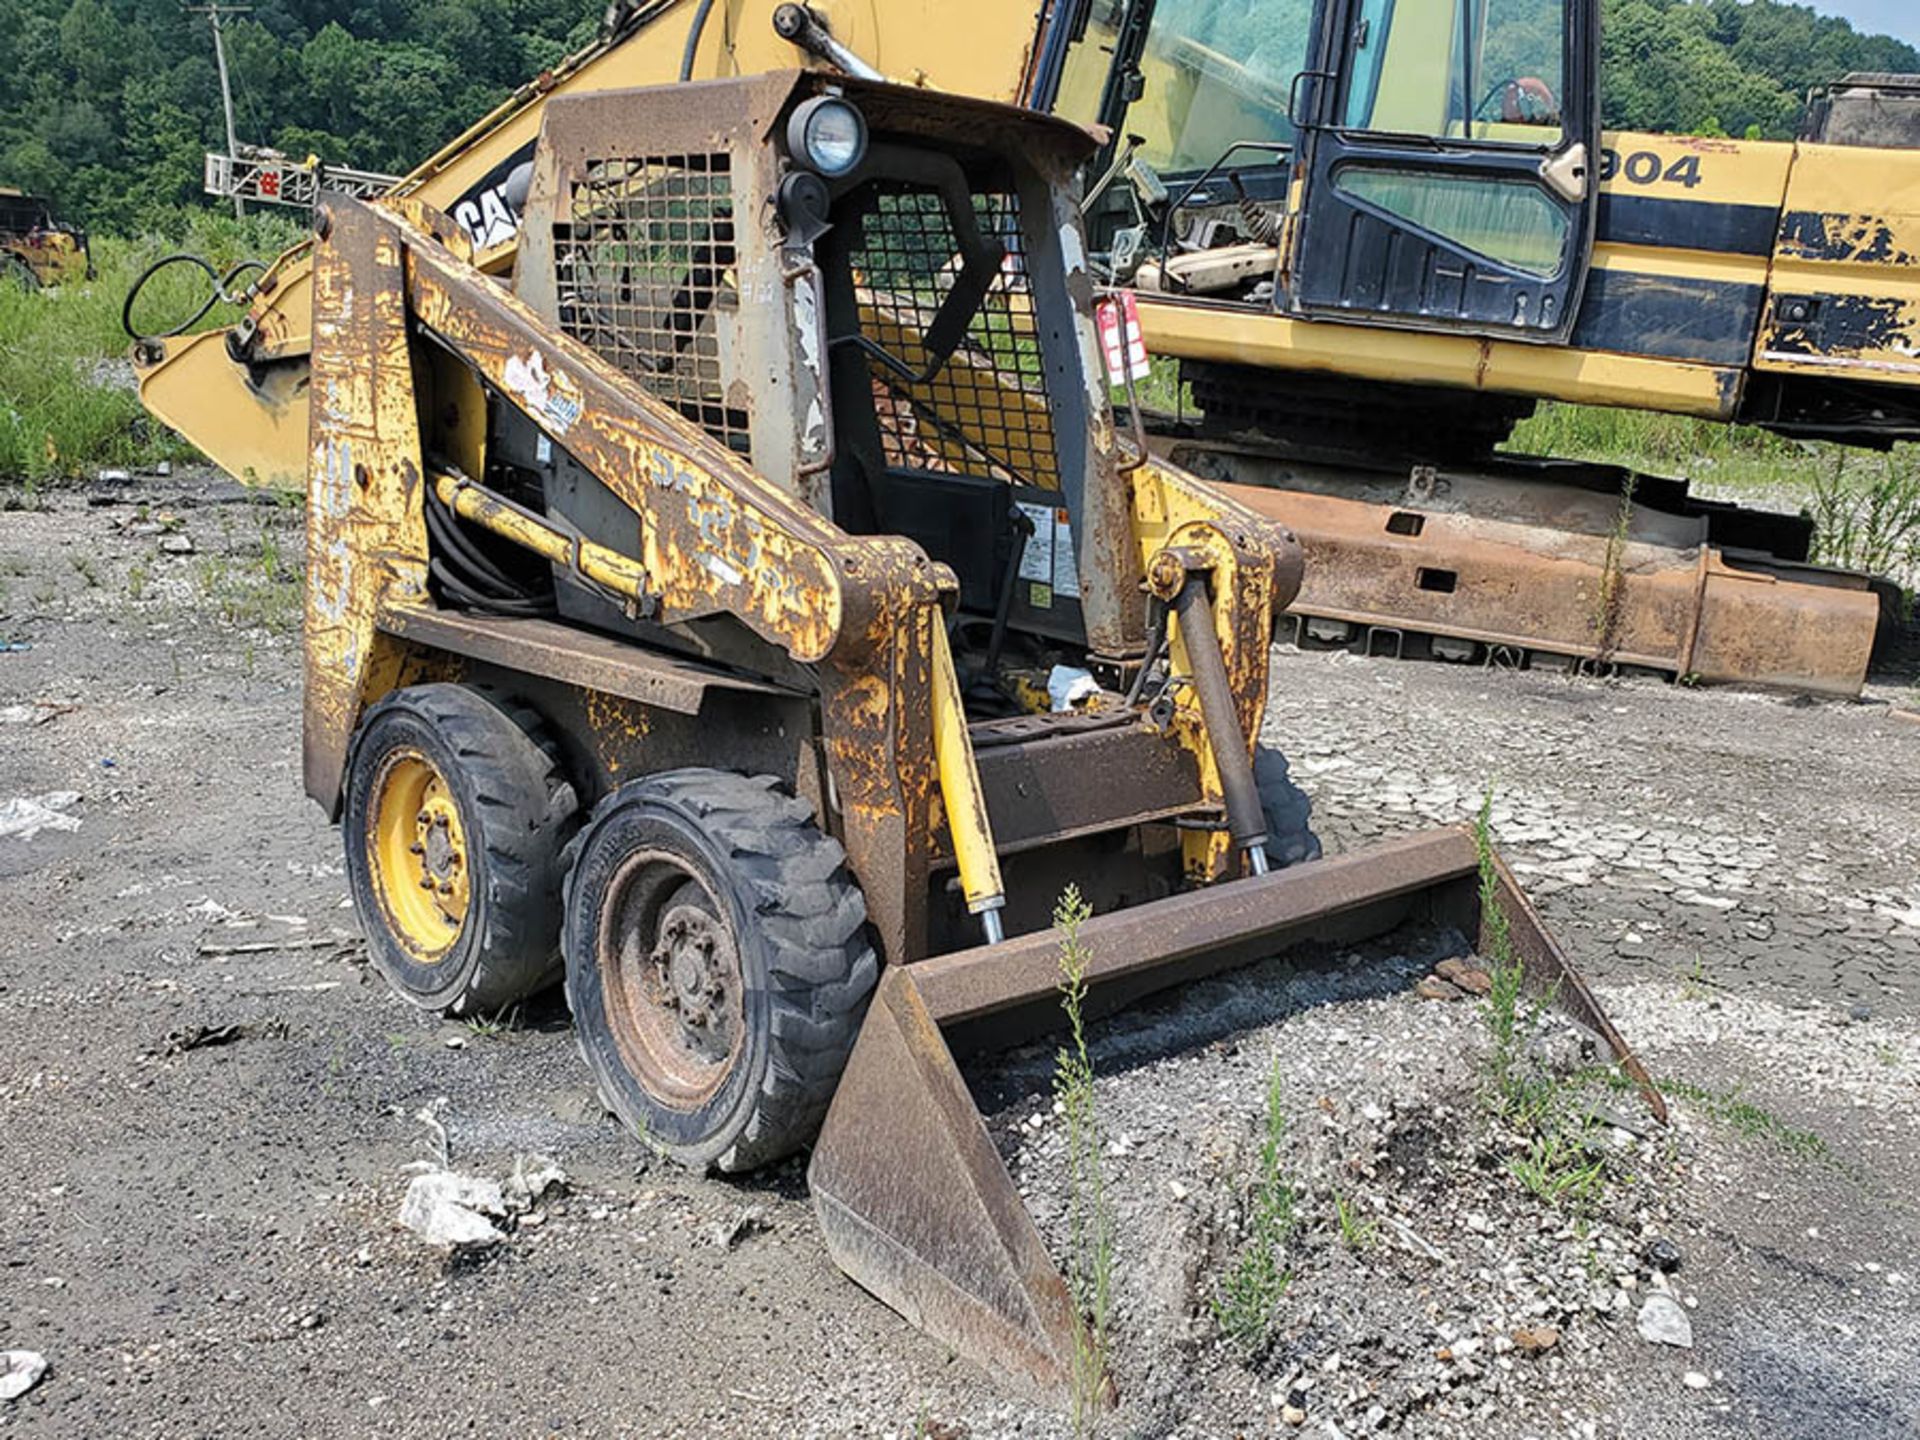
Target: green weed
point(1608, 602)
point(1356, 1231)
point(1866, 514)
point(488, 1026)
point(1248, 1302)
point(84, 567)
point(248, 597)
point(1752, 1121)
point(1089, 1212)
point(66, 404)
point(137, 576)
point(1561, 1165)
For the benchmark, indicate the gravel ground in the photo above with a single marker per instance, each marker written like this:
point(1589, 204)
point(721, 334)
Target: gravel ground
point(200, 1237)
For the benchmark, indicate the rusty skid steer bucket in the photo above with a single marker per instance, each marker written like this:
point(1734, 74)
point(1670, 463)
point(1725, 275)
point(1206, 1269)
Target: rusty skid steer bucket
point(914, 1199)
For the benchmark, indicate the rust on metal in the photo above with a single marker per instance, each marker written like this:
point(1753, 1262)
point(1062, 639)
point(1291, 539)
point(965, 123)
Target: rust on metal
point(1550, 975)
point(915, 1202)
point(1207, 930)
point(916, 1205)
point(1689, 610)
point(366, 539)
point(593, 662)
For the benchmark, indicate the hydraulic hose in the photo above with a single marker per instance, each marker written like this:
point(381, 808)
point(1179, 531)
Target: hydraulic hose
point(693, 40)
point(1246, 820)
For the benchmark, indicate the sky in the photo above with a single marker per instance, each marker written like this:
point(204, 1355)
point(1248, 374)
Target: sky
point(1899, 18)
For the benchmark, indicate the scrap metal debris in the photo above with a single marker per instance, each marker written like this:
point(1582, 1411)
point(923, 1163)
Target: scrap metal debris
point(206, 1037)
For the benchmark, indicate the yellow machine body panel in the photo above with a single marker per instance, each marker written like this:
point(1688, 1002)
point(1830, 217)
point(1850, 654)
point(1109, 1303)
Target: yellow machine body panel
point(1845, 293)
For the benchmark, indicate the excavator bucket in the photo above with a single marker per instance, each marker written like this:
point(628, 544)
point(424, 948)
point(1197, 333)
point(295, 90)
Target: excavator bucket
point(914, 1200)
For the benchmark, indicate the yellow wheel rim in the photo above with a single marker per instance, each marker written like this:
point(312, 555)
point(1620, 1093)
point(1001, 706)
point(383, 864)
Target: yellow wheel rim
point(418, 853)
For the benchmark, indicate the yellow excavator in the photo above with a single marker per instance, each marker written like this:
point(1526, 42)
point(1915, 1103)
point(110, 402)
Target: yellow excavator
point(1372, 235)
point(728, 588)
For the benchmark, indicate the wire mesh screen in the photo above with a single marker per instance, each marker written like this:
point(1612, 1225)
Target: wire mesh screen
point(986, 407)
point(645, 275)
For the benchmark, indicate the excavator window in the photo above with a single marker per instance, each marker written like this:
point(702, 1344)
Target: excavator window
point(1458, 69)
point(1210, 74)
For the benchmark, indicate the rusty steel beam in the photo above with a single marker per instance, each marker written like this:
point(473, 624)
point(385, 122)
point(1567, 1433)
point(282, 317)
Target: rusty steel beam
point(571, 655)
point(1225, 925)
point(1061, 781)
point(1688, 612)
point(916, 1205)
point(1658, 595)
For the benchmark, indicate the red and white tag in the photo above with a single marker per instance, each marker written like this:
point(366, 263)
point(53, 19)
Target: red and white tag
point(1121, 339)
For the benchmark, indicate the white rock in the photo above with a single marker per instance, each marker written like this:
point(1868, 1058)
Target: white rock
point(450, 1210)
point(1694, 1380)
point(20, 1371)
point(1663, 1321)
point(533, 1176)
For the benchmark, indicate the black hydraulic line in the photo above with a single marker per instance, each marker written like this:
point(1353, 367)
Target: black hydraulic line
point(693, 40)
point(443, 526)
point(460, 591)
point(1156, 647)
point(1246, 820)
point(1002, 612)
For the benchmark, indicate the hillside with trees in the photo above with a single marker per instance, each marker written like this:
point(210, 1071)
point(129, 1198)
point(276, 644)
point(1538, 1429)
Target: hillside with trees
point(110, 104)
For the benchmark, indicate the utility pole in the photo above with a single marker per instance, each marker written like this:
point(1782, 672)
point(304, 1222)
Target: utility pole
point(214, 12)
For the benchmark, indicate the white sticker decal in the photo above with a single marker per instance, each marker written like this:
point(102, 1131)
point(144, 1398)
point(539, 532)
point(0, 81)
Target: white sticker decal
point(553, 398)
point(1066, 569)
point(1036, 561)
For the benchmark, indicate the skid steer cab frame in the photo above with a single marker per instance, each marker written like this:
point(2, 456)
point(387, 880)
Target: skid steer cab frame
point(683, 618)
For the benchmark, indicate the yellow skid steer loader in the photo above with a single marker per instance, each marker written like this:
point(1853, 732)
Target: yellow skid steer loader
point(675, 618)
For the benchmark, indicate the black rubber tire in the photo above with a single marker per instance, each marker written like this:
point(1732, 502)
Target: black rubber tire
point(518, 811)
point(798, 925)
point(1289, 811)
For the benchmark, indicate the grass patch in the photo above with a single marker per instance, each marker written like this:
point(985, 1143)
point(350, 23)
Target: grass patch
point(486, 1027)
point(1560, 1164)
point(1249, 1298)
point(1751, 1121)
point(1089, 1268)
point(1865, 506)
point(63, 413)
point(1867, 514)
point(1357, 1232)
point(1675, 445)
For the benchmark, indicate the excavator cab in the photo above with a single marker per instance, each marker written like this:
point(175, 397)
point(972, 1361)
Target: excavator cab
point(1425, 163)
